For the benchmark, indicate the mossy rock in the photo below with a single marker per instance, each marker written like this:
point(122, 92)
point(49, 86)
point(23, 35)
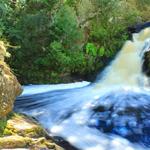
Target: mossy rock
point(24, 132)
point(24, 126)
point(14, 141)
point(9, 85)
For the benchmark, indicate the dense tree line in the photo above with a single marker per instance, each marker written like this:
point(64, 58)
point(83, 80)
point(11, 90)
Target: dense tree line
point(53, 41)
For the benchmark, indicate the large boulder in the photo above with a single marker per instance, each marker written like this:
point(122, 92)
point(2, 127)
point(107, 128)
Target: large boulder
point(9, 85)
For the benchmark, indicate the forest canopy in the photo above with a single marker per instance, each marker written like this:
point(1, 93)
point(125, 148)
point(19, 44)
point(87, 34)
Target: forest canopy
point(53, 41)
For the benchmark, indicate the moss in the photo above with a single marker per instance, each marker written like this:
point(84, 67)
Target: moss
point(20, 131)
point(14, 141)
point(7, 132)
point(29, 128)
point(3, 122)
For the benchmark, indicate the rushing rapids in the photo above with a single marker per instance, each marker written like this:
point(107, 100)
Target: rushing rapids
point(113, 113)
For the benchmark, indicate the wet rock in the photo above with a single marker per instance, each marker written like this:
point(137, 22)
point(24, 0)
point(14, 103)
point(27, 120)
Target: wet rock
point(9, 86)
point(146, 64)
point(24, 132)
point(138, 27)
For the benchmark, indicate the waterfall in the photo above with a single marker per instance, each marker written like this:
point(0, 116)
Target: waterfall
point(112, 113)
point(126, 68)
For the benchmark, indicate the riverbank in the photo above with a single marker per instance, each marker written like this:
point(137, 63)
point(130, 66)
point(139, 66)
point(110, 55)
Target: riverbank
point(20, 131)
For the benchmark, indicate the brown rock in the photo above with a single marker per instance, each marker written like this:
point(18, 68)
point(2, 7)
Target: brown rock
point(9, 86)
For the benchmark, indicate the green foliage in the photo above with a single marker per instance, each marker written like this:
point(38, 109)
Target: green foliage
point(143, 2)
point(3, 123)
point(51, 46)
point(72, 2)
point(66, 28)
point(52, 43)
point(91, 49)
point(107, 29)
point(101, 51)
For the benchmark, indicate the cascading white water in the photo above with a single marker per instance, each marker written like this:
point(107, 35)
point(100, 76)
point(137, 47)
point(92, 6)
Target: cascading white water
point(102, 115)
point(126, 68)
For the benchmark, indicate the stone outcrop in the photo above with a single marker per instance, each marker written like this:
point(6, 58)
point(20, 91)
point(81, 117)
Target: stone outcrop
point(24, 132)
point(9, 86)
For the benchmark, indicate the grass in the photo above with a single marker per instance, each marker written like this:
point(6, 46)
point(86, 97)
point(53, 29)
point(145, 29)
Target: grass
point(3, 122)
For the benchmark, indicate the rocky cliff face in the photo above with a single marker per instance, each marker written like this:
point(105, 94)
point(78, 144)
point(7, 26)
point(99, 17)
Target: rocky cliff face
point(9, 86)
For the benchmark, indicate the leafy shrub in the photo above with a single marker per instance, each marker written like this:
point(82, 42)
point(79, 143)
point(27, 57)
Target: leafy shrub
point(107, 29)
point(50, 43)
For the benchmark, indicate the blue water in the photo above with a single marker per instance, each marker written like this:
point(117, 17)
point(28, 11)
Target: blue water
point(109, 116)
point(123, 113)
